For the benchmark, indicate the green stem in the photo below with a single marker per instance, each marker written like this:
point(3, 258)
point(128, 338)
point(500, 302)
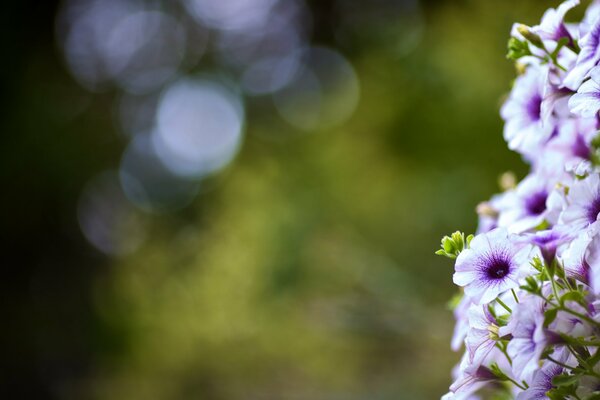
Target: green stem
point(516, 383)
point(579, 358)
point(507, 308)
point(515, 295)
point(552, 283)
point(560, 363)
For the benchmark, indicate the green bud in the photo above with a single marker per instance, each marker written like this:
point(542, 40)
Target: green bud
point(448, 245)
point(459, 240)
point(517, 49)
point(533, 38)
point(452, 245)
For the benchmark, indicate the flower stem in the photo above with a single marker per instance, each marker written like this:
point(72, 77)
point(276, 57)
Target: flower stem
point(507, 308)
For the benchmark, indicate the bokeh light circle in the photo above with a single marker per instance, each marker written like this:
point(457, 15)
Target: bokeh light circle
point(323, 93)
point(199, 125)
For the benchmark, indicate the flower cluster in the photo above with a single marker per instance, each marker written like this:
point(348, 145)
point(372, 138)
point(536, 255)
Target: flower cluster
point(529, 311)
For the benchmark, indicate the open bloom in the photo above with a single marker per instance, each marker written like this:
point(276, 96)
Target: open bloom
point(493, 264)
point(586, 102)
point(482, 334)
point(574, 260)
point(542, 379)
point(552, 26)
point(588, 56)
point(525, 207)
point(525, 131)
point(571, 146)
point(584, 203)
point(528, 338)
point(469, 380)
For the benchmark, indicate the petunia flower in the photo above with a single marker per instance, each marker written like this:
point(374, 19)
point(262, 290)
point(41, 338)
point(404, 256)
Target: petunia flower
point(525, 207)
point(552, 26)
point(588, 56)
point(586, 102)
point(492, 264)
point(528, 341)
point(574, 258)
point(482, 334)
point(542, 378)
point(547, 241)
point(525, 130)
point(583, 203)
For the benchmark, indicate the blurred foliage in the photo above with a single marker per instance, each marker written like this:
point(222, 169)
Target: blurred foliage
point(303, 271)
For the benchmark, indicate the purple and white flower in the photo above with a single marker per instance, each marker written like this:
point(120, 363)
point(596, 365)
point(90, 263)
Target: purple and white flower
point(547, 242)
point(469, 379)
point(519, 314)
point(528, 338)
point(525, 207)
point(542, 379)
point(552, 26)
point(588, 56)
point(483, 330)
point(583, 203)
point(525, 130)
point(493, 264)
point(570, 147)
point(586, 102)
point(461, 327)
point(574, 258)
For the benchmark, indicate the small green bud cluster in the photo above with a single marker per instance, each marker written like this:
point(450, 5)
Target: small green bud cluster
point(452, 245)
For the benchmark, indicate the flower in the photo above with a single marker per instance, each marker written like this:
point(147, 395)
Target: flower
point(524, 207)
point(492, 264)
point(542, 383)
point(462, 323)
point(570, 146)
point(573, 258)
point(586, 102)
point(524, 129)
point(584, 203)
point(588, 56)
point(482, 334)
point(552, 26)
point(469, 380)
point(547, 241)
point(531, 276)
point(528, 341)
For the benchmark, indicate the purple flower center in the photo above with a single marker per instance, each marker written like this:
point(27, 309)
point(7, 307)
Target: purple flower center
point(593, 210)
point(496, 266)
point(534, 107)
point(536, 203)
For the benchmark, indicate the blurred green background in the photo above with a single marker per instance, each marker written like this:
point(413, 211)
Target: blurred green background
point(304, 269)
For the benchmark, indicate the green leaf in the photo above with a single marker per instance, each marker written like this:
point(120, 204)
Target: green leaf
point(565, 380)
point(550, 316)
point(572, 296)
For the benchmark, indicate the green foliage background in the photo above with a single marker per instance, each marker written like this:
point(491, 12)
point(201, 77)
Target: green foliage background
point(303, 271)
